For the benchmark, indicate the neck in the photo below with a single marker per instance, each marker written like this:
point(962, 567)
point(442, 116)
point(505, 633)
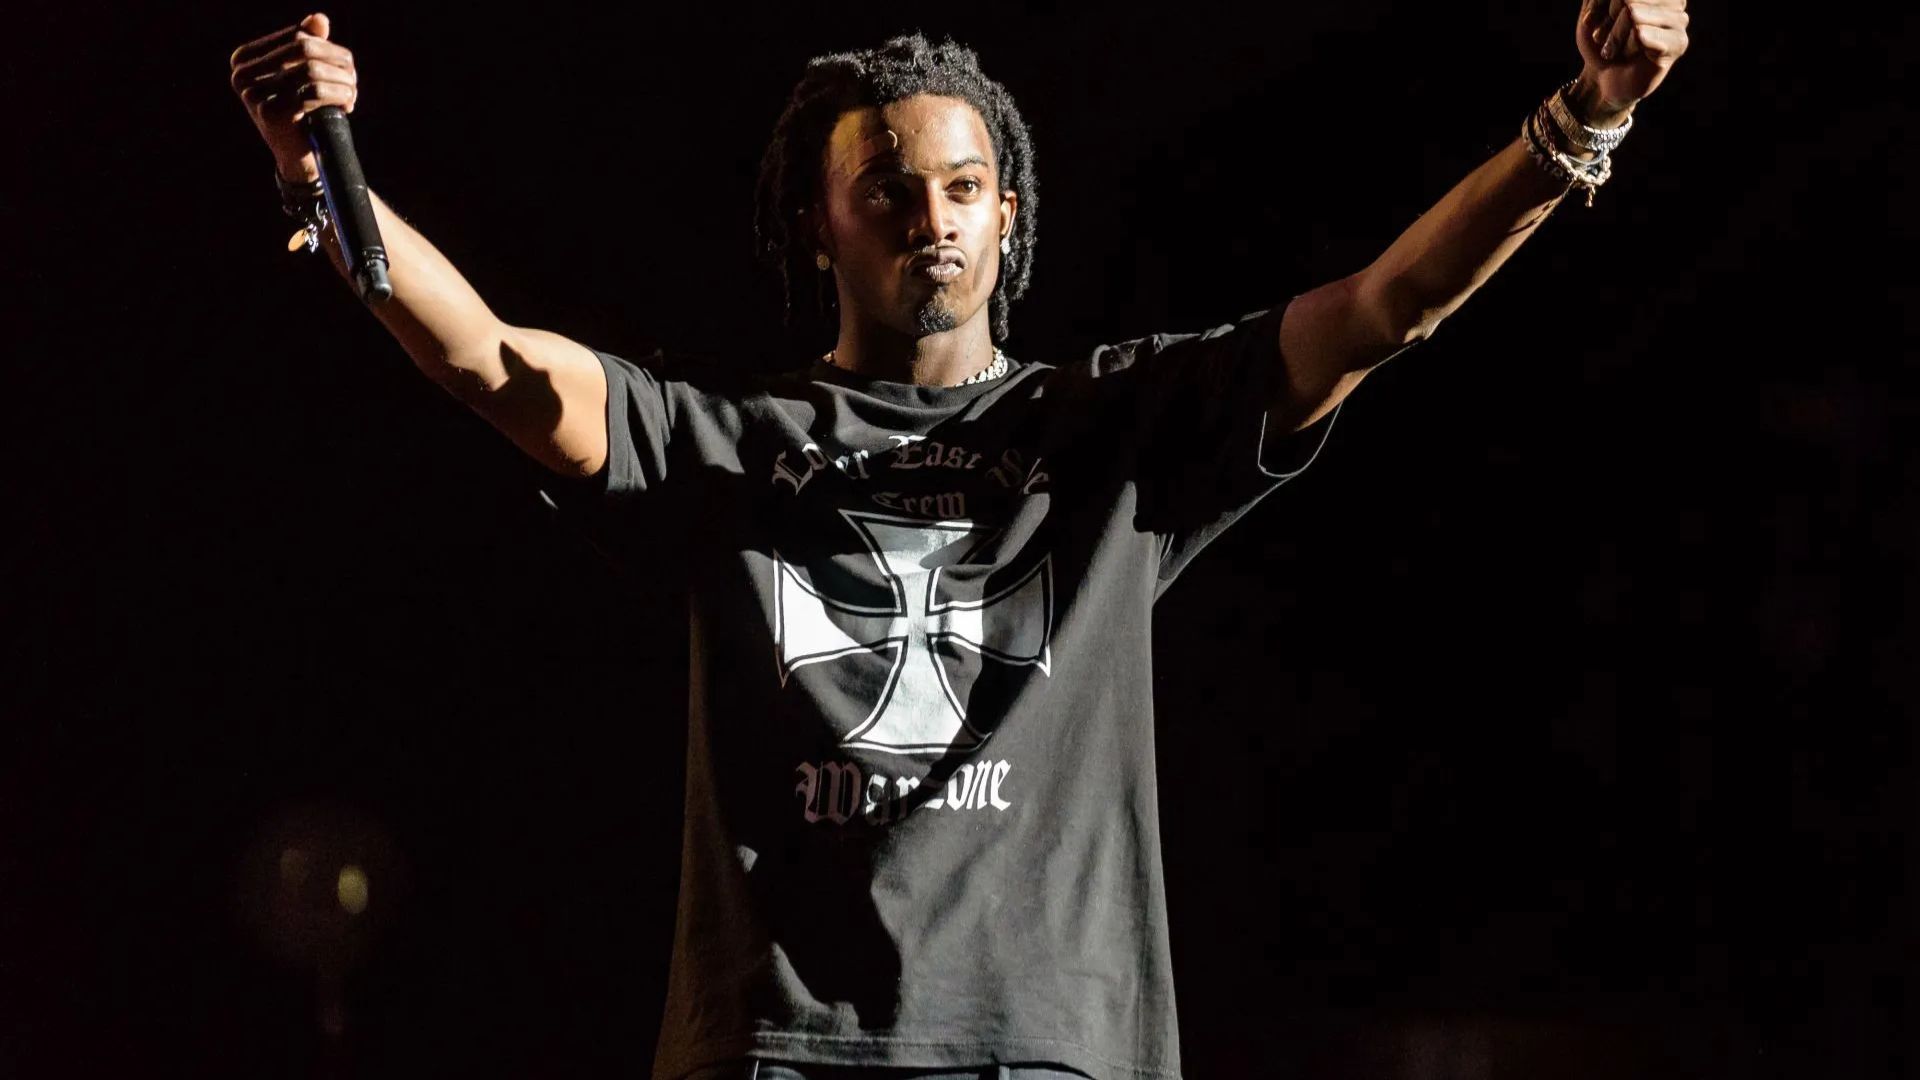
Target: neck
point(943, 359)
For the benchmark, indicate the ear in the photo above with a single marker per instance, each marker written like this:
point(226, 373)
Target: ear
point(1009, 207)
point(822, 236)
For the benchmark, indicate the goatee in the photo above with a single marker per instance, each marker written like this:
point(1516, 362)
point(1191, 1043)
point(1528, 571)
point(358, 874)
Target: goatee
point(936, 316)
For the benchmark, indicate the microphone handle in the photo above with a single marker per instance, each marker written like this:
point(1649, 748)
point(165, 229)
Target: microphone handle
point(348, 204)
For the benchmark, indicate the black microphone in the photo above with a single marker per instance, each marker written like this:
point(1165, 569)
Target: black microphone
point(348, 206)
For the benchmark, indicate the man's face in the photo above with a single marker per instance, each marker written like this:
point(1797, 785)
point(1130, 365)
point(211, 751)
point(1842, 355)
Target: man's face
point(913, 213)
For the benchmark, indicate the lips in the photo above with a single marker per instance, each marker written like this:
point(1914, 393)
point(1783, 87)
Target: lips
point(940, 267)
point(943, 257)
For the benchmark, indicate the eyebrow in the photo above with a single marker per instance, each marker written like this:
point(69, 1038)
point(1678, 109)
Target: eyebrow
point(893, 163)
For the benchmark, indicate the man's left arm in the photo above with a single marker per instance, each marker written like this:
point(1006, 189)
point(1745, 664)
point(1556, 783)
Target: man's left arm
point(1331, 336)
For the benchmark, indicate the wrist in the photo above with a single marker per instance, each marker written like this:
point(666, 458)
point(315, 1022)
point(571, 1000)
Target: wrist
point(1592, 108)
point(301, 170)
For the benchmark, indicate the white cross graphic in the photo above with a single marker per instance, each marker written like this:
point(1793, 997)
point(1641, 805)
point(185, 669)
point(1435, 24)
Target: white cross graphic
point(918, 710)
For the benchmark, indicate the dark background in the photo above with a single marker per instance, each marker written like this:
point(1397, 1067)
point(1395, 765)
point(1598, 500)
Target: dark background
point(1556, 722)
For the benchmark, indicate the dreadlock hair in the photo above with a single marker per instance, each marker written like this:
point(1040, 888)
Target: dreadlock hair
point(790, 169)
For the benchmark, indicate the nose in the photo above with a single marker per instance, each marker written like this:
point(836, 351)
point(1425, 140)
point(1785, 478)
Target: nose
point(935, 224)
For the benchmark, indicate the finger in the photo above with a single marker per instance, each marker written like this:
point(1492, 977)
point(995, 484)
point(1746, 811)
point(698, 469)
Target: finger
point(1605, 15)
point(303, 48)
point(1658, 42)
point(1647, 14)
point(292, 82)
point(306, 98)
point(260, 46)
point(1591, 28)
point(299, 100)
point(290, 58)
point(291, 78)
point(1617, 35)
point(312, 69)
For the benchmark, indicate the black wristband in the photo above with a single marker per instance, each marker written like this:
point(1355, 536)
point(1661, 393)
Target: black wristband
point(298, 199)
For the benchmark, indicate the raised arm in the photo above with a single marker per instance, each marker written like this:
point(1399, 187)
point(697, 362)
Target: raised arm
point(545, 392)
point(1333, 335)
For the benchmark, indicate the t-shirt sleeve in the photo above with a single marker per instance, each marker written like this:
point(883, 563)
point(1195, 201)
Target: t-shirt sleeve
point(639, 430)
point(1205, 452)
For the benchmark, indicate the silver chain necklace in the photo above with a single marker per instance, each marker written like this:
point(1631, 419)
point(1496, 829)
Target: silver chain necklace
point(986, 374)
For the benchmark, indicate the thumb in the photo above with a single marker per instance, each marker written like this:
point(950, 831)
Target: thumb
point(317, 24)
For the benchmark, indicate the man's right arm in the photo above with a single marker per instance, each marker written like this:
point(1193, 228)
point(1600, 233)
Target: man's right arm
point(545, 392)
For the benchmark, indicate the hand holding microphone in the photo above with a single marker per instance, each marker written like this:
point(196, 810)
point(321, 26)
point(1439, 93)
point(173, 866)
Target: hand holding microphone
point(299, 87)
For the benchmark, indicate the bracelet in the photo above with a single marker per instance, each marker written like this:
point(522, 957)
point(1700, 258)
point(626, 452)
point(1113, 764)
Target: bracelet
point(305, 203)
point(1577, 133)
point(1551, 144)
point(1559, 164)
point(1555, 158)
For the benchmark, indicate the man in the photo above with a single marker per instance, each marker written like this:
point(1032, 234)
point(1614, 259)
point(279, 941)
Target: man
point(921, 829)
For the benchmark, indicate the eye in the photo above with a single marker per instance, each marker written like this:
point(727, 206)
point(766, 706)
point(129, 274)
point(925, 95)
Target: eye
point(882, 191)
point(968, 186)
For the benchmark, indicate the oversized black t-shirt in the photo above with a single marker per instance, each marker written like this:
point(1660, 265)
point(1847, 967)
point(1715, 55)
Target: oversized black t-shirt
point(921, 823)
